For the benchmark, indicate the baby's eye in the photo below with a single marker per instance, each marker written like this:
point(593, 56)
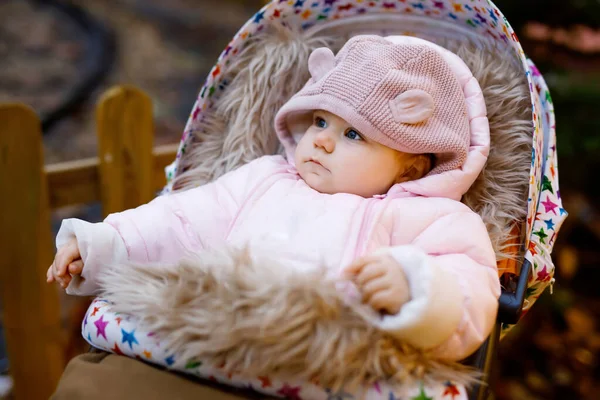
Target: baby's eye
point(353, 135)
point(320, 122)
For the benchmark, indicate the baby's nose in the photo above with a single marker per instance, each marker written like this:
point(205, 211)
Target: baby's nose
point(326, 140)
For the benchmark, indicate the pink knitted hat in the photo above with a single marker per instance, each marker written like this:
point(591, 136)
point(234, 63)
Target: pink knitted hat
point(402, 94)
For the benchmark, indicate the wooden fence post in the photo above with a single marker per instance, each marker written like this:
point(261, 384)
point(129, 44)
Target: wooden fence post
point(125, 144)
point(31, 306)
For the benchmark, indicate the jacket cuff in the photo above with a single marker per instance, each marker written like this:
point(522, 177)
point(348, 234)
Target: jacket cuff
point(435, 309)
point(99, 244)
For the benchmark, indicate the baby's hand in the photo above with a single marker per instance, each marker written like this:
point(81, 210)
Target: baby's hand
point(67, 262)
point(381, 281)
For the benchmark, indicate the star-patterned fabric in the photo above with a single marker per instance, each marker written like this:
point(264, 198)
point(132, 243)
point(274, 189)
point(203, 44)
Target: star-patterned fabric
point(119, 334)
point(545, 212)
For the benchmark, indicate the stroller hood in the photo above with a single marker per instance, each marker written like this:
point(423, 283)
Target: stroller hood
point(475, 21)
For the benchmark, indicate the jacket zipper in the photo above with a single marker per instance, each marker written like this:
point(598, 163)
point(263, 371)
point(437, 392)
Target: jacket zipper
point(363, 228)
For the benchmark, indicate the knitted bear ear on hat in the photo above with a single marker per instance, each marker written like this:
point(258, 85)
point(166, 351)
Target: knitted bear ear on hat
point(412, 107)
point(320, 62)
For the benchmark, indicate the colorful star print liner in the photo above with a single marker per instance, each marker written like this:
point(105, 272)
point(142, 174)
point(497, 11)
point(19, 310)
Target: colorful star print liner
point(431, 20)
point(117, 333)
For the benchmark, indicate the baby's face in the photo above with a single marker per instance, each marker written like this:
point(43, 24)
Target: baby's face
point(333, 157)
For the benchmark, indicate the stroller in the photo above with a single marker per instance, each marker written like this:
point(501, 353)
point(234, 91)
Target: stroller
point(527, 205)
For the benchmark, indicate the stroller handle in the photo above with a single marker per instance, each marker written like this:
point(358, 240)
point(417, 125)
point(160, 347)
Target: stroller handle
point(511, 303)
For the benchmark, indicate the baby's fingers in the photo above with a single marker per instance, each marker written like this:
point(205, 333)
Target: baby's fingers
point(385, 301)
point(65, 256)
point(59, 268)
point(371, 288)
point(65, 281)
point(49, 275)
point(368, 273)
point(76, 267)
point(351, 270)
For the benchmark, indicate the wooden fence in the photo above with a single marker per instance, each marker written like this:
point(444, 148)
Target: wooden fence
point(127, 172)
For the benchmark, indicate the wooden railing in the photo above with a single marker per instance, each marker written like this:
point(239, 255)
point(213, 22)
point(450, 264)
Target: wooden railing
point(127, 172)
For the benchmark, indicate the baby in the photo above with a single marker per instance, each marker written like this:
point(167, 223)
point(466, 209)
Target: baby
point(381, 143)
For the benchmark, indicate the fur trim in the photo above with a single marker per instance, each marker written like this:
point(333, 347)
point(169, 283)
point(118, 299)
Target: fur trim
point(257, 317)
point(267, 72)
point(274, 66)
point(499, 195)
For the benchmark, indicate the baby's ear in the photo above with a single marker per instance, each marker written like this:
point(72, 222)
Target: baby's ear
point(320, 62)
point(421, 165)
point(412, 107)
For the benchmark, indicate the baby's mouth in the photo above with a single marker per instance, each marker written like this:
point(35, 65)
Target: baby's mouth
point(314, 161)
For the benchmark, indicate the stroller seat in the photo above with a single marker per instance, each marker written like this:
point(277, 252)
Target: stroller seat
point(230, 124)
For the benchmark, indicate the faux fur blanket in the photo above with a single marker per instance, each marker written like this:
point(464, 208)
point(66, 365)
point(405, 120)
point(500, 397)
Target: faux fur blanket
point(257, 317)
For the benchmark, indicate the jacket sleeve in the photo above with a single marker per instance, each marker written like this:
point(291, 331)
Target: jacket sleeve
point(452, 275)
point(162, 230)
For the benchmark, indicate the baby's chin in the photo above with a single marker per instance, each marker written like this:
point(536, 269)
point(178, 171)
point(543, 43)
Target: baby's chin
point(317, 182)
point(326, 185)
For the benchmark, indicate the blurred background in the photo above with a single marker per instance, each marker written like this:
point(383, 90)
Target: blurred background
point(58, 56)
